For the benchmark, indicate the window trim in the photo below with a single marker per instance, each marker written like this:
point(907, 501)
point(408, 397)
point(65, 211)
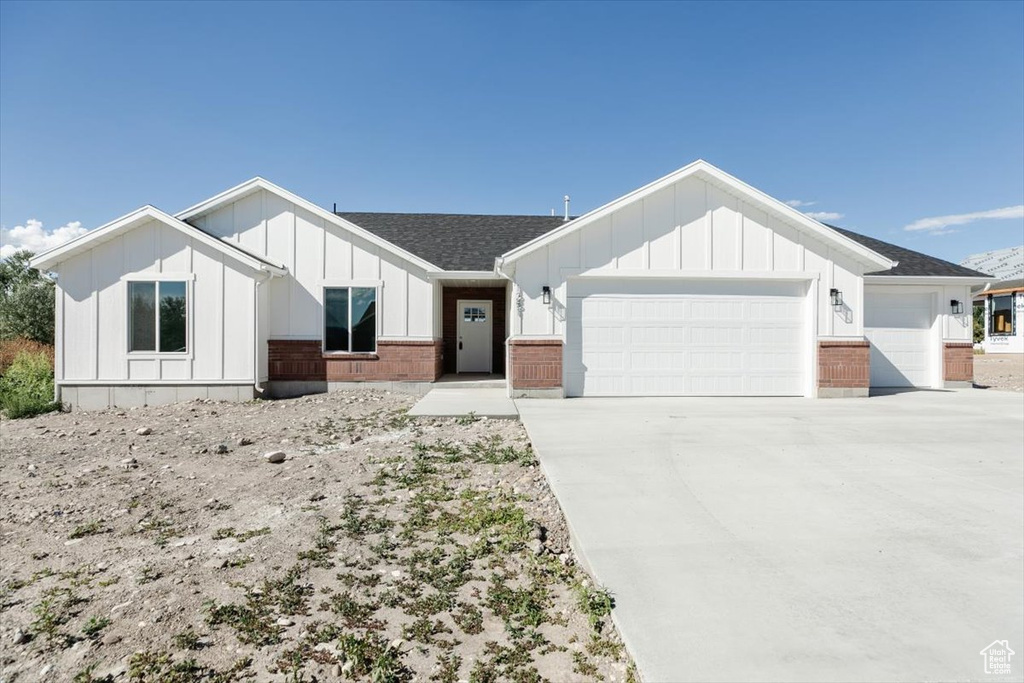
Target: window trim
point(378, 288)
point(189, 280)
point(990, 311)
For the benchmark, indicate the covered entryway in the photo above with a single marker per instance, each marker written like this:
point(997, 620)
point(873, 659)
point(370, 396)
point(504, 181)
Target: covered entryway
point(473, 328)
point(686, 338)
point(899, 327)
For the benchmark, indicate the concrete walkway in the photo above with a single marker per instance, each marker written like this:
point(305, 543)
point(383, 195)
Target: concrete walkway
point(451, 400)
point(876, 539)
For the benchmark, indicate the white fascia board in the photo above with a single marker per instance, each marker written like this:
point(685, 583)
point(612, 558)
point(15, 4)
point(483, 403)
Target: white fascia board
point(926, 280)
point(141, 215)
point(463, 275)
point(258, 183)
point(720, 177)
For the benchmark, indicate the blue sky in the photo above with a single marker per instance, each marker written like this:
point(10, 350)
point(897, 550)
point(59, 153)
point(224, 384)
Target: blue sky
point(885, 113)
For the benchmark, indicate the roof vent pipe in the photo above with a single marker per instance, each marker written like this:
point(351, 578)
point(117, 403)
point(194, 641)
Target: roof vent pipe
point(566, 200)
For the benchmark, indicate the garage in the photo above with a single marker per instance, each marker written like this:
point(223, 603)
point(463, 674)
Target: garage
point(899, 328)
point(675, 338)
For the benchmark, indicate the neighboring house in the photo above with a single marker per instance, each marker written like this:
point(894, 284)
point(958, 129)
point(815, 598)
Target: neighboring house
point(1003, 301)
point(696, 284)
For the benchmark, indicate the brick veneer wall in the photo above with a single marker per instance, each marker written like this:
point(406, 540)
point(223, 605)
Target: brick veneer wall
point(395, 361)
point(536, 363)
point(450, 323)
point(844, 364)
point(958, 362)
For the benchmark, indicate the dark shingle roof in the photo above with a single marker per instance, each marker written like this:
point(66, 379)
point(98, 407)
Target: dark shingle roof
point(472, 242)
point(455, 241)
point(911, 263)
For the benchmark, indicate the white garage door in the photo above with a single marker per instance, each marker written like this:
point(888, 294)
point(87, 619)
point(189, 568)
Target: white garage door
point(730, 342)
point(899, 329)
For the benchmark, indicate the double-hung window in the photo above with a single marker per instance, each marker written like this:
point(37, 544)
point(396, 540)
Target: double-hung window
point(350, 319)
point(158, 316)
point(1000, 318)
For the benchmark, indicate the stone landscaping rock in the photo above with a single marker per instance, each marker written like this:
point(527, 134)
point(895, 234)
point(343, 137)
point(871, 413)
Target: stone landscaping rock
point(143, 431)
point(274, 456)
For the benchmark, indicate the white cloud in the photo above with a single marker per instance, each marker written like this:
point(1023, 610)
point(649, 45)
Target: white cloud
point(825, 215)
point(797, 203)
point(35, 238)
point(936, 224)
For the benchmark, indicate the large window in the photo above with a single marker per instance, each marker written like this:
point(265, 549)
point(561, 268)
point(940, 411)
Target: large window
point(1000, 317)
point(158, 317)
point(350, 319)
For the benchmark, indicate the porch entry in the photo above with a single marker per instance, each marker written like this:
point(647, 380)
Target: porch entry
point(475, 323)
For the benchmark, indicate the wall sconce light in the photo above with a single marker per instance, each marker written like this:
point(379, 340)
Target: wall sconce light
point(545, 294)
point(957, 307)
point(836, 297)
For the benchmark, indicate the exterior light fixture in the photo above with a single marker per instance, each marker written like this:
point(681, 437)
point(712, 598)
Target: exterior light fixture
point(957, 307)
point(545, 293)
point(836, 297)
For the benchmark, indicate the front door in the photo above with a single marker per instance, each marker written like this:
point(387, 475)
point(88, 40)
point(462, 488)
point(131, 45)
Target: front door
point(474, 343)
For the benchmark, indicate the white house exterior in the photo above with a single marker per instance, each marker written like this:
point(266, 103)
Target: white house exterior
point(1003, 301)
point(696, 284)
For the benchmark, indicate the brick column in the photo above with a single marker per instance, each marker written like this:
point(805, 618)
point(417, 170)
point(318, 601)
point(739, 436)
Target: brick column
point(958, 363)
point(536, 367)
point(844, 369)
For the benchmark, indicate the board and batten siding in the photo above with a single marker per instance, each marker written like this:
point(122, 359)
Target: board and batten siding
point(318, 253)
point(689, 229)
point(93, 310)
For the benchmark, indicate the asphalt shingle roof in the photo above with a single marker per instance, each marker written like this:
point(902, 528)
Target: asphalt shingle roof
point(911, 263)
point(472, 242)
point(455, 241)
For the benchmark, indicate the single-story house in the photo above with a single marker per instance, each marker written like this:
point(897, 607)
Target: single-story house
point(696, 284)
point(1002, 302)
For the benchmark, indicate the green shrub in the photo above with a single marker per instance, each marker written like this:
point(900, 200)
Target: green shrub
point(26, 388)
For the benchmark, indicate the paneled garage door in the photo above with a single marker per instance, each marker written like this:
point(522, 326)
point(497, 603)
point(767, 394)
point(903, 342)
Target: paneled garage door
point(899, 329)
point(705, 343)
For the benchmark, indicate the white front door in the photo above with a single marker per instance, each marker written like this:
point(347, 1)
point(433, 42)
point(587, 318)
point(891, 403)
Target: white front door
point(899, 329)
point(474, 343)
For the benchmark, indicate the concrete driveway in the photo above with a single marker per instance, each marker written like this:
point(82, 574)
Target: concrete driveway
point(875, 539)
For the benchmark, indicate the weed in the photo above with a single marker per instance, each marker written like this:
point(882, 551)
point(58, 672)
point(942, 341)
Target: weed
point(148, 574)
point(423, 630)
point(448, 665)
point(187, 639)
point(323, 546)
point(467, 419)
point(352, 612)
point(94, 626)
point(26, 386)
point(85, 676)
point(373, 656)
point(504, 663)
point(596, 603)
point(54, 610)
point(158, 667)
point(581, 664)
point(469, 618)
point(89, 529)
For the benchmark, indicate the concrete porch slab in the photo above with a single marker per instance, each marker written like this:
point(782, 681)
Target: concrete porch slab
point(453, 401)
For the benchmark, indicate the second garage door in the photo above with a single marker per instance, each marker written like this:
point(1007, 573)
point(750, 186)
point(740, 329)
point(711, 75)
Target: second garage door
point(899, 328)
point(672, 339)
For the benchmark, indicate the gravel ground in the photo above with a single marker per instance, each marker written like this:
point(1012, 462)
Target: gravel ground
point(159, 544)
point(999, 371)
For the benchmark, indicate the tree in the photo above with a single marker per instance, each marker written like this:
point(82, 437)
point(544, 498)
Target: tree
point(979, 323)
point(26, 300)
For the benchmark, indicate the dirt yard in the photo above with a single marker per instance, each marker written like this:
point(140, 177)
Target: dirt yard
point(999, 371)
point(160, 544)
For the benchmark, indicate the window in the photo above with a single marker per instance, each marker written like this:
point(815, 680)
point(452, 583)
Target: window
point(474, 314)
point(1000, 320)
point(158, 317)
point(350, 319)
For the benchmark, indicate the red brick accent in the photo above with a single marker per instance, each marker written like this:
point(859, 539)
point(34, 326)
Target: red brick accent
point(450, 326)
point(844, 364)
point(536, 363)
point(395, 361)
point(291, 359)
point(958, 362)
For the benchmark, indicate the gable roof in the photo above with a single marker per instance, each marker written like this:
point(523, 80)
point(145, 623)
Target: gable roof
point(258, 183)
point(132, 220)
point(455, 241)
point(716, 176)
point(910, 263)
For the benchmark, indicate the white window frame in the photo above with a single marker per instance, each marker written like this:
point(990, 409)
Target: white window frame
point(376, 285)
point(1014, 318)
point(189, 280)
